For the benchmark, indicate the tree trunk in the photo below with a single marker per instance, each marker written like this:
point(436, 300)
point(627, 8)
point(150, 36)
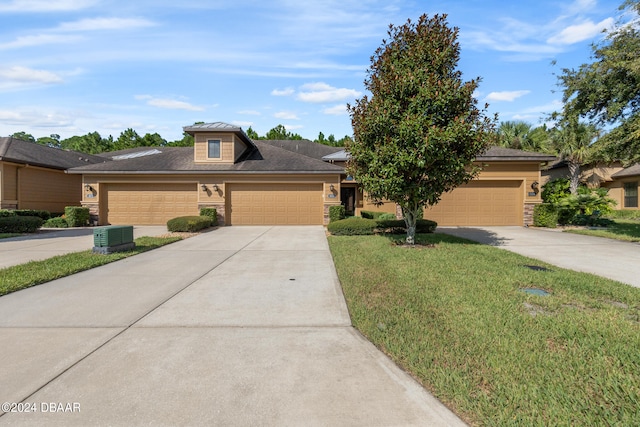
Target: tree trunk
point(410, 217)
point(574, 179)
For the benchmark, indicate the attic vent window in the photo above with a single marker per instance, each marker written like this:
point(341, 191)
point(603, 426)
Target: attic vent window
point(213, 146)
point(137, 154)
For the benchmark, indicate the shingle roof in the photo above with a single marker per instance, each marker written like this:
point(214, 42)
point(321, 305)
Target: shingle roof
point(304, 147)
point(24, 152)
point(491, 154)
point(633, 170)
point(264, 158)
point(216, 127)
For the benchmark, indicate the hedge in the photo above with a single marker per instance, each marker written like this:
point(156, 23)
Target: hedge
point(4, 213)
point(76, 216)
point(45, 215)
point(398, 226)
point(189, 223)
point(20, 224)
point(211, 213)
point(545, 215)
point(57, 222)
point(352, 227)
point(336, 213)
point(371, 214)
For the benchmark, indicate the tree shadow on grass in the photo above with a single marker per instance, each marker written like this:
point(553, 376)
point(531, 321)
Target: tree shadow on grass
point(460, 235)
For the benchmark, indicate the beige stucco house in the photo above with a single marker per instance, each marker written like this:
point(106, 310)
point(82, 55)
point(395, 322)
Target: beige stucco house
point(282, 182)
point(624, 187)
point(32, 176)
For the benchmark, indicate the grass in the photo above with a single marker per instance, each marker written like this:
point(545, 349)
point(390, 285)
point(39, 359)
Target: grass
point(454, 317)
point(8, 235)
point(626, 230)
point(35, 273)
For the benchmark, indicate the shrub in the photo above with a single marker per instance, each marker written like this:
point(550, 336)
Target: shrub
point(371, 214)
point(386, 216)
point(20, 224)
point(545, 215)
point(76, 216)
point(555, 190)
point(398, 226)
point(189, 223)
point(211, 213)
point(336, 213)
point(352, 227)
point(6, 213)
point(45, 215)
point(57, 222)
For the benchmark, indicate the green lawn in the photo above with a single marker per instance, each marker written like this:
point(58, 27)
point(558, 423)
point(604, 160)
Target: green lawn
point(8, 235)
point(627, 230)
point(36, 272)
point(454, 317)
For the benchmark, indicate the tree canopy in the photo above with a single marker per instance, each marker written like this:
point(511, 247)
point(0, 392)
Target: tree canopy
point(607, 90)
point(418, 133)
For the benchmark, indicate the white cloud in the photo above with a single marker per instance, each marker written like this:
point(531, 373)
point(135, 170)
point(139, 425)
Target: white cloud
point(286, 115)
point(34, 118)
point(293, 127)
point(507, 96)
point(170, 104)
point(250, 112)
point(321, 92)
point(17, 77)
point(580, 32)
point(283, 92)
point(45, 5)
point(336, 110)
point(38, 40)
point(96, 24)
point(242, 124)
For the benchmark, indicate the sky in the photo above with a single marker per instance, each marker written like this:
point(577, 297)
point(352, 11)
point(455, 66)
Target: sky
point(70, 67)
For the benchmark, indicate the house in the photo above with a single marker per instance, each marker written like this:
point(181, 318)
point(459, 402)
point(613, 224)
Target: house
point(624, 187)
point(32, 176)
point(282, 182)
point(594, 175)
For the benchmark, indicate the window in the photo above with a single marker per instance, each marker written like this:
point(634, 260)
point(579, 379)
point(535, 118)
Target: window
point(631, 194)
point(213, 148)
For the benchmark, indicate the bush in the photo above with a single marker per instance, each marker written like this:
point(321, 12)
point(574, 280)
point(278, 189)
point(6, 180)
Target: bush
point(398, 226)
point(211, 213)
point(57, 222)
point(189, 223)
point(386, 216)
point(336, 213)
point(20, 224)
point(555, 190)
point(371, 214)
point(545, 215)
point(352, 227)
point(45, 215)
point(76, 216)
point(4, 213)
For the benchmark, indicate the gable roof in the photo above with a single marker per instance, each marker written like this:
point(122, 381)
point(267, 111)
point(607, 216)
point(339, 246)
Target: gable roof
point(262, 158)
point(633, 170)
point(24, 152)
point(492, 154)
point(219, 127)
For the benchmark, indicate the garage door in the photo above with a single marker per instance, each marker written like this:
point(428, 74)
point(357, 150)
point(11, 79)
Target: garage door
point(150, 204)
point(276, 204)
point(480, 203)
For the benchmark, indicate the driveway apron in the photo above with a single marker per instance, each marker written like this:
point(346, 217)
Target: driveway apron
point(608, 258)
point(238, 326)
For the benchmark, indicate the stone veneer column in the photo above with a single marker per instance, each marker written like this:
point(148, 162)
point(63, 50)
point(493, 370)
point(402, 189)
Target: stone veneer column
point(528, 213)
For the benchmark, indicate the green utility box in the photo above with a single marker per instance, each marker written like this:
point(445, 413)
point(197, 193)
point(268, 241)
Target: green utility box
point(113, 238)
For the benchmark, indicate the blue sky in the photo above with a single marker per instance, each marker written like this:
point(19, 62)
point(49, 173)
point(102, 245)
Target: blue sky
point(70, 67)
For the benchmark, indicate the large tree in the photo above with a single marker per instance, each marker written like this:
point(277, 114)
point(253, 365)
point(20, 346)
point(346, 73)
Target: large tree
point(418, 133)
point(607, 90)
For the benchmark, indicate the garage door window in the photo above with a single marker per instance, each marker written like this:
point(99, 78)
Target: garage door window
point(214, 148)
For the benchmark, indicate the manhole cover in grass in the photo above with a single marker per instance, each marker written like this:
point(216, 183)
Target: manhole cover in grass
point(537, 268)
point(535, 291)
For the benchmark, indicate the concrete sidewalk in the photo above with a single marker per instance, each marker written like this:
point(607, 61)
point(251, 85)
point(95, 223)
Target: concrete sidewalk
point(51, 242)
point(239, 326)
point(609, 258)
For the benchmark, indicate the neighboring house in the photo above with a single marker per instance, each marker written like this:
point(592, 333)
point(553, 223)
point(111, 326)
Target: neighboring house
point(594, 175)
point(32, 176)
point(283, 182)
point(624, 187)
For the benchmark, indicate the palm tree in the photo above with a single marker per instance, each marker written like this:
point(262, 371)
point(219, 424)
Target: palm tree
point(573, 141)
point(514, 134)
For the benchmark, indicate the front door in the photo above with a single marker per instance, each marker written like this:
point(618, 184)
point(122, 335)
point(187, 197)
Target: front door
point(348, 199)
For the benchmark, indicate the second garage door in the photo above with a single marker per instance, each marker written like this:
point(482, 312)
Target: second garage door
point(275, 204)
point(480, 203)
point(150, 204)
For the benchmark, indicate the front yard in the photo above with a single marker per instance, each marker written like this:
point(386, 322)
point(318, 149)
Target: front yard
point(455, 317)
point(626, 230)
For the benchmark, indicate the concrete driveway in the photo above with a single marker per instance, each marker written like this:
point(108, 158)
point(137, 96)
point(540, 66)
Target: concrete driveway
point(238, 326)
point(51, 242)
point(604, 257)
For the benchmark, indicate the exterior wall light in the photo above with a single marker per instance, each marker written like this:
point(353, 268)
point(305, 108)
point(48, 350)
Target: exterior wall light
point(87, 187)
point(331, 187)
point(215, 187)
point(203, 187)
